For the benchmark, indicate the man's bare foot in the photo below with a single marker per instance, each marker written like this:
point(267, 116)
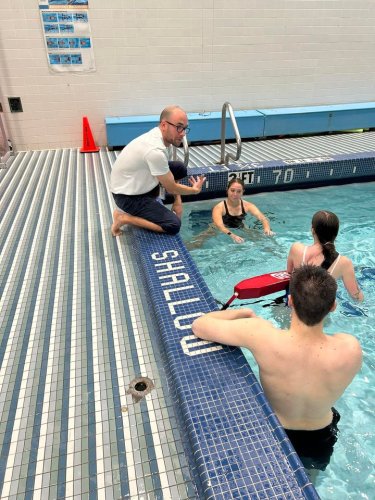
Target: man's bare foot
point(122, 219)
point(117, 223)
point(115, 231)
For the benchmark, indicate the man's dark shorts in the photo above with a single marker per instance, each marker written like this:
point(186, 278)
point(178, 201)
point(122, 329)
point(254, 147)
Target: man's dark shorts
point(315, 448)
point(149, 207)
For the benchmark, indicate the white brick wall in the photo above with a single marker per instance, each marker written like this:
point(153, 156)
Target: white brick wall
point(252, 53)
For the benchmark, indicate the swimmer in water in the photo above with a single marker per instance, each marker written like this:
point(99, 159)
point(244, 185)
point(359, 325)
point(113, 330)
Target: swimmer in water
point(324, 229)
point(230, 214)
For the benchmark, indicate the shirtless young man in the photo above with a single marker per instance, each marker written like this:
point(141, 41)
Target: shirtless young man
point(139, 169)
point(303, 371)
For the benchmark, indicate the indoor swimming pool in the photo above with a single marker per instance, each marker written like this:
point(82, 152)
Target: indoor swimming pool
point(79, 326)
point(82, 316)
point(224, 263)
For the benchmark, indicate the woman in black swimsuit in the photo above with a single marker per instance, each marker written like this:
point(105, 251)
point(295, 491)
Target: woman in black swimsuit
point(230, 213)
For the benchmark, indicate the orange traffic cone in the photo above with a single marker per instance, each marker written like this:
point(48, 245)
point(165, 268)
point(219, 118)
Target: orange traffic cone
point(89, 145)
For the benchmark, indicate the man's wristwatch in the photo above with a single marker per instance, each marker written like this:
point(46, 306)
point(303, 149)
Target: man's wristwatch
point(229, 233)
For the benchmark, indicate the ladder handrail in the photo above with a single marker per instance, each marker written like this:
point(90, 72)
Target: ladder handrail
point(186, 151)
point(224, 159)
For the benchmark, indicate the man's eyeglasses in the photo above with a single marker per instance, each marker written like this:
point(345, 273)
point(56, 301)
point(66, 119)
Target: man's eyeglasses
point(179, 128)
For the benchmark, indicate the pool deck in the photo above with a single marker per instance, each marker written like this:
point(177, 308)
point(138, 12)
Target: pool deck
point(77, 327)
point(74, 334)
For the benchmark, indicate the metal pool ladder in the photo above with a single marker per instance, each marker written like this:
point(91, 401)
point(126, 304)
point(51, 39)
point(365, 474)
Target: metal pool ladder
point(224, 159)
point(186, 151)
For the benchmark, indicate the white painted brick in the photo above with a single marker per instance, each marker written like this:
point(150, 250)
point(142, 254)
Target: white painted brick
point(254, 53)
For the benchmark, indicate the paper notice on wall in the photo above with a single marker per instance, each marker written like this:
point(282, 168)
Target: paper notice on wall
point(67, 35)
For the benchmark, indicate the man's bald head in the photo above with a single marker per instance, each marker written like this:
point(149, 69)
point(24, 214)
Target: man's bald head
point(173, 124)
point(170, 111)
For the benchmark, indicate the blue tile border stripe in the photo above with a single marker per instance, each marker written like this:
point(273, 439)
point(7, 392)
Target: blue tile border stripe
point(288, 174)
point(89, 344)
point(71, 247)
point(238, 446)
point(34, 264)
point(56, 223)
point(124, 479)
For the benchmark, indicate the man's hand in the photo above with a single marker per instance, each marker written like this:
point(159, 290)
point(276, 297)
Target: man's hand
point(230, 327)
point(197, 183)
point(173, 187)
point(268, 232)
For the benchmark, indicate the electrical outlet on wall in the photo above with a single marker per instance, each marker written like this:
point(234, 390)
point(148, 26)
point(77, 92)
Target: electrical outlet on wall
point(15, 104)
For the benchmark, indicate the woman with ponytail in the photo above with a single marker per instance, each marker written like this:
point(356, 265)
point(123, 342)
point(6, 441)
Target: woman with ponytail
point(325, 227)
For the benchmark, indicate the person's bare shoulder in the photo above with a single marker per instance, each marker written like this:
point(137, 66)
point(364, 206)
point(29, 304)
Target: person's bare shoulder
point(248, 205)
point(297, 246)
point(349, 350)
point(346, 339)
point(344, 262)
point(343, 267)
point(261, 334)
point(294, 256)
point(218, 207)
point(296, 249)
point(252, 209)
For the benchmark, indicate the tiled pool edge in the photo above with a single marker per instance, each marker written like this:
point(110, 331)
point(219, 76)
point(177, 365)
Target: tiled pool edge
point(237, 444)
point(285, 174)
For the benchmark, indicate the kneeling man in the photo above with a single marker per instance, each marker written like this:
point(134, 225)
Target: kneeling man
point(141, 167)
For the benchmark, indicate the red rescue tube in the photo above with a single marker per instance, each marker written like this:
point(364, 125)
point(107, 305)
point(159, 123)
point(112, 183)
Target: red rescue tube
point(257, 286)
point(253, 288)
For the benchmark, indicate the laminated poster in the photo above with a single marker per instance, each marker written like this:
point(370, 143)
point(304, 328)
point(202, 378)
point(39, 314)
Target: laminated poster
point(67, 35)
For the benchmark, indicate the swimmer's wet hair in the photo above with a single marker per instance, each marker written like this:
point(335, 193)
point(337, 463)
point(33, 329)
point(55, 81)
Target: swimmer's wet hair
point(313, 291)
point(326, 226)
point(236, 180)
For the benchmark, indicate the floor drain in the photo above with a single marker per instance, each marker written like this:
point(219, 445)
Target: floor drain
point(139, 388)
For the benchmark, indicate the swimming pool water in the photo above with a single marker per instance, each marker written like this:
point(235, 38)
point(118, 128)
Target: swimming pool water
point(224, 263)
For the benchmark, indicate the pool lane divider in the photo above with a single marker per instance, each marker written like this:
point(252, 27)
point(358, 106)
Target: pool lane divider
point(233, 440)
